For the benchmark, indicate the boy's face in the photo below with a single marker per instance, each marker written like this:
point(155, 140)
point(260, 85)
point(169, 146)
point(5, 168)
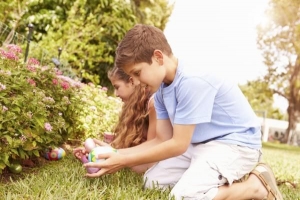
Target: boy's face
point(149, 76)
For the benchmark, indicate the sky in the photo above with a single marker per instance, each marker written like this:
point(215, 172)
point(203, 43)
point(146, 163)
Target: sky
point(219, 35)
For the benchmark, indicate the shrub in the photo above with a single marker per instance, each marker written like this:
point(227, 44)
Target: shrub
point(98, 112)
point(40, 108)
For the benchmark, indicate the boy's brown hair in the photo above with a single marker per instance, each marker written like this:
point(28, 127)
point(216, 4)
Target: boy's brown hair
point(139, 44)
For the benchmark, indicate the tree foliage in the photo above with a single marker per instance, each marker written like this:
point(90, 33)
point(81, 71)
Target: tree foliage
point(12, 14)
point(88, 31)
point(152, 12)
point(90, 35)
point(280, 45)
point(260, 97)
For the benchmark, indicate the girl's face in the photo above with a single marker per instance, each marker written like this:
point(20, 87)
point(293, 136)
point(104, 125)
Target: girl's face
point(123, 89)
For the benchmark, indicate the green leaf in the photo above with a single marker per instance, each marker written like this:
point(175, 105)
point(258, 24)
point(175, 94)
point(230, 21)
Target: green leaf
point(22, 153)
point(4, 158)
point(8, 138)
point(15, 151)
point(2, 165)
point(40, 120)
point(36, 153)
point(15, 109)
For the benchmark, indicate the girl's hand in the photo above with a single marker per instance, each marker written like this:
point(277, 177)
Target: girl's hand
point(113, 163)
point(100, 143)
point(79, 152)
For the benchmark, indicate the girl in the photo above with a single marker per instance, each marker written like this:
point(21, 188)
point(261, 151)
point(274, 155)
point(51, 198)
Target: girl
point(137, 120)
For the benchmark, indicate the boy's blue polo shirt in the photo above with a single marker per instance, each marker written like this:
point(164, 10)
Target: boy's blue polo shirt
point(217, 107)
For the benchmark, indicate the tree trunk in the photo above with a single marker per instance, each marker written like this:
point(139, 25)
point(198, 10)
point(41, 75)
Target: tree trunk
point(293, 108)
point(292, 123)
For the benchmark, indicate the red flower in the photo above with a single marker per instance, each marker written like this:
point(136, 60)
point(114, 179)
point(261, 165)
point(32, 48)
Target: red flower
point(55, 81)
point(33, 61)
point(65, 85)
point(31, 82)
point(9, 55)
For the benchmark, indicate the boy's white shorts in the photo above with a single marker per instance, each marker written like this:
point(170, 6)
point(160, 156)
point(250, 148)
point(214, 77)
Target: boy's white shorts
point(199, 172)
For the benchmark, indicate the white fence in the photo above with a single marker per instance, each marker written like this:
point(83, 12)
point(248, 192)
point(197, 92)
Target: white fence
point(274, 129)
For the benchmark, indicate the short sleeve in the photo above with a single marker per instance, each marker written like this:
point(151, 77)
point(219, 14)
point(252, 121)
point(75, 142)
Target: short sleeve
point(160, 109)
point(195, 98)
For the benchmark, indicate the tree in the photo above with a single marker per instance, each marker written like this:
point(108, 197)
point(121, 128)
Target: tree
point(152, 12)
point(280, 45)
point(90, 35)
point(261, 98)
point(89, 30)
point(13, 12)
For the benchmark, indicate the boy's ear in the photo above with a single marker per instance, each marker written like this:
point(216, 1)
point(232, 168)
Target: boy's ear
point(158, 56)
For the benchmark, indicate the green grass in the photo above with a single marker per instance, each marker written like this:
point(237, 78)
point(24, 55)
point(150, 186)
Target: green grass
point(63, 180)
point(285, 162)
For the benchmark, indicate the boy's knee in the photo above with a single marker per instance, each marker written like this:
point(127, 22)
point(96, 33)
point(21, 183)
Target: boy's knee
point(189, 193)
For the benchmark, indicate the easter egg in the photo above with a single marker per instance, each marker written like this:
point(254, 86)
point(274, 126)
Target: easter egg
point(90, 170)
point(89, 144)
point(93, 155)
point(55, 154)
point(15, 168)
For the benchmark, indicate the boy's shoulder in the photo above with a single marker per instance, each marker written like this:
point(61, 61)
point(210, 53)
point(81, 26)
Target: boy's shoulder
point(190, 70)
point(201, 77)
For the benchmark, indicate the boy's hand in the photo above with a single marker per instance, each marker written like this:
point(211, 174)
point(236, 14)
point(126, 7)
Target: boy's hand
point(111, 164)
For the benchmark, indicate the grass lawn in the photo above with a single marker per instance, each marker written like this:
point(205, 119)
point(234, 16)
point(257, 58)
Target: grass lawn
point(63, 180)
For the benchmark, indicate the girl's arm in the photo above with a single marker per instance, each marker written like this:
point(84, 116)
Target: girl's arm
point(152, 120)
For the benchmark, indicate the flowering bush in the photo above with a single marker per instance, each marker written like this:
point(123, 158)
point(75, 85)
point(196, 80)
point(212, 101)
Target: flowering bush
point(98, 112)
point(41, 108)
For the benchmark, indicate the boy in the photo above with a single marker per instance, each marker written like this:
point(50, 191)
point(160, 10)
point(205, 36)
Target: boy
point(207, 134)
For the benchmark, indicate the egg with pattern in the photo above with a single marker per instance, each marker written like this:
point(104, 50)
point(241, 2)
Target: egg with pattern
point(93, 155)
point(55, 154)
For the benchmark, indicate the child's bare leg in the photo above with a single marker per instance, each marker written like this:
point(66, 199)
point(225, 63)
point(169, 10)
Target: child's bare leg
point(261, 184)
point(252, 188)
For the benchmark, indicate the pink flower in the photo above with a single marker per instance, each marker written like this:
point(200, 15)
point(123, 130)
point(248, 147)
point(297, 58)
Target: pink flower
point(48, 127)
point(14, 48)
point(91, 84)
point(65, 85)
point(55, 81)
point(23, 138)
point(31, 82)
point(33, 61)
point(2, 86)
point(58, 72)
point(104, 89)
point(9, 55)
point(72, 83)
point(4, 108)
point(31, 68)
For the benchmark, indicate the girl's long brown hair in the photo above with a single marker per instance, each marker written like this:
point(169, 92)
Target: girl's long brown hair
point(133, 124)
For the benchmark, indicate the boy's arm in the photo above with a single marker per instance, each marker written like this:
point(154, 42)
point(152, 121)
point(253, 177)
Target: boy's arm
point(160, 148)
point(161, 135)
point(175, 146)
